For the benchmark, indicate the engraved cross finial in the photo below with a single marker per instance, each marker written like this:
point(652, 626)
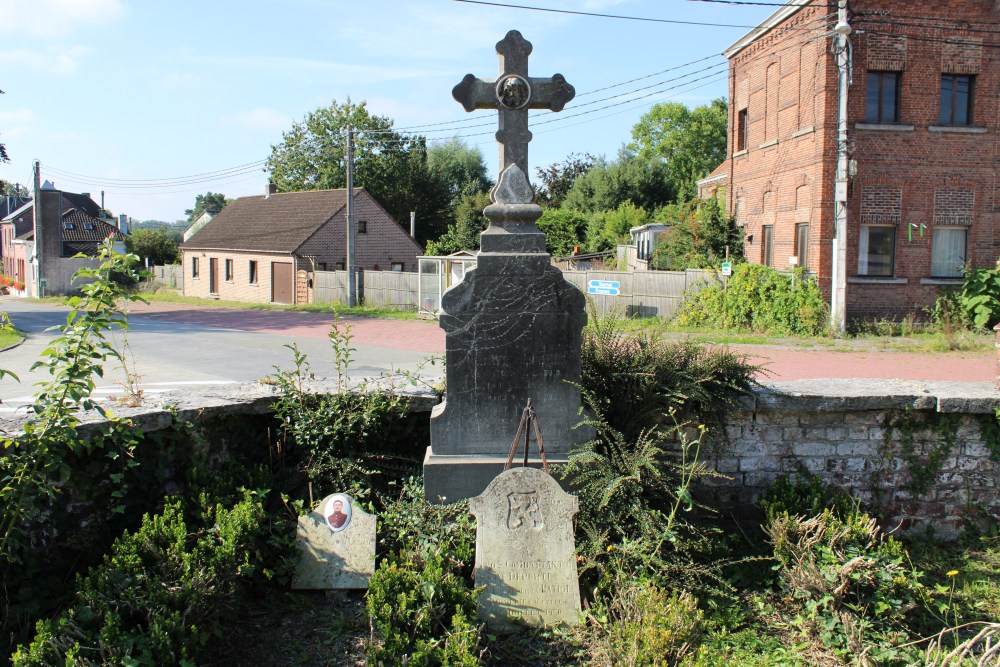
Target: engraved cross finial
point(512, 94)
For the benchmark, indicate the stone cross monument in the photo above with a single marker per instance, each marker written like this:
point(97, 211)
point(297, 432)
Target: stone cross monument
point(513, 325)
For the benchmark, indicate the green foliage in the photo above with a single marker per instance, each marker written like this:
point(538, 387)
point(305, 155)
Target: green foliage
point(558, 179)
point(420, 609)
point(460, 168)
point(690, 142)
point(410, 522)
point(564, 230)
point(160, 595)
point(806, 495)
point(851, 587)
point(981, 296)
point(36, 467)
point(645, 626)
point(638, 380)
point(469, 223)
point(925, 441)
point(606, 186)
point(156, 245)
point(698, 237)
point(210, 201)
point(392, 167)
point(606, 229)
point(758, 298)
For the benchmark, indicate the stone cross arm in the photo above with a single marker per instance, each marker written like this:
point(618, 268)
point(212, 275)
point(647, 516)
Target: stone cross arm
point(545, 93)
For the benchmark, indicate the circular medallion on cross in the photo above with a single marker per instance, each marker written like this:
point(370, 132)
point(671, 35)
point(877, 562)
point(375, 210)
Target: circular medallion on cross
point(513, 92)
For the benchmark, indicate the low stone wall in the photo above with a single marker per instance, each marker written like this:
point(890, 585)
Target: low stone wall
point(923, 454)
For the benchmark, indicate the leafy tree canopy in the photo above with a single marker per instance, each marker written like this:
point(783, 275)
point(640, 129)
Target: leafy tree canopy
point(564, 230)
point(392, 167)
point(557, 179)
point(690, 142)
point(3, 149)
point(697, 238)
point(156, 245)
point(210, 201)
point(629, 179)
point(606, 229)
point(460, 168)
point(463, 233)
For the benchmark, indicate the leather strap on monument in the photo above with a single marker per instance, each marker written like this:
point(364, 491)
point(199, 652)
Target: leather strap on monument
point(529, 420)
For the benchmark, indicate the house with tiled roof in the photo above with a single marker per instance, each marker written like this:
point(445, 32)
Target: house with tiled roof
point(72, 224)
point(264, 249)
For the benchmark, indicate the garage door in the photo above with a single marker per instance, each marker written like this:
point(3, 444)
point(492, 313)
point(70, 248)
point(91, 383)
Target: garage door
point(282, 282)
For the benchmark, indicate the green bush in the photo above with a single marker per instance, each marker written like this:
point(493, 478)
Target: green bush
point(981, 296)
point(420, 610)
point(850, 586)
point(647, 627)
point(805, 496)
point(161, 593)
point(411, 522)
point(758, 298)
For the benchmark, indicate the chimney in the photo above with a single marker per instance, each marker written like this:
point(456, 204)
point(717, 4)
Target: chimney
point(270, 189)
point(123, 223)
point(85, 194)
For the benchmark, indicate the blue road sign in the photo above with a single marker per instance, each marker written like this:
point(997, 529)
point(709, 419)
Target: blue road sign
point(605, 287)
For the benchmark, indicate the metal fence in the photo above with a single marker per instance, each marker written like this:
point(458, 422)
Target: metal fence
point(643, 294)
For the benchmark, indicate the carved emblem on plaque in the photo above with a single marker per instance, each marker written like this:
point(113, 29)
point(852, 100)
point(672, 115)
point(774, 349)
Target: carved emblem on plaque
point(513, 92)
point(523, 510)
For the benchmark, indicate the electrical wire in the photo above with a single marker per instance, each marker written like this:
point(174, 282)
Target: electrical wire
point(603, 16)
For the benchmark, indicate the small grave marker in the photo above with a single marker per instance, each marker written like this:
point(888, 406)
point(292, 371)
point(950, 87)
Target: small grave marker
point(525, 552)
point(336, 545)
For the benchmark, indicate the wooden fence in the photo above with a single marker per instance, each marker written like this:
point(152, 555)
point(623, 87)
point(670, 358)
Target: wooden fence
point(643, 294)
point(171, 275)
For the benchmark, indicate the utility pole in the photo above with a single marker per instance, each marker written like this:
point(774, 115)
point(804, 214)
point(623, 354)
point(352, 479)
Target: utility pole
point(838, 291)
point(352, 278)
point(36, 207)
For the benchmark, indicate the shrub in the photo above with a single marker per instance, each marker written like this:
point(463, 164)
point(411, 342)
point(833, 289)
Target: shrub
point(160, 594)
point(758, 298)
point(420, 610)
point(805, 496)
point(851, 585)
point(411, 522)
point(645, 626)
point(981, 296)
point(636, 380)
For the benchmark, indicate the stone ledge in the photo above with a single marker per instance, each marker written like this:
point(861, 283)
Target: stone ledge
point(819, 395)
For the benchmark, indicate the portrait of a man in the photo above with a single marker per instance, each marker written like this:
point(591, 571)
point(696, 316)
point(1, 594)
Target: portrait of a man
point(338, 512)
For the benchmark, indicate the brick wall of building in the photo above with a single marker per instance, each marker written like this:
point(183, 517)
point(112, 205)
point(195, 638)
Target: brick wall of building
point(240, 287)
point(911, 175)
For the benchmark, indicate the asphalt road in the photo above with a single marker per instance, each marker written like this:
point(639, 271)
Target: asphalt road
point(172, 352)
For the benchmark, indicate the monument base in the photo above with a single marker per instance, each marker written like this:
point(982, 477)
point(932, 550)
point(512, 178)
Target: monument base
point(448, 479)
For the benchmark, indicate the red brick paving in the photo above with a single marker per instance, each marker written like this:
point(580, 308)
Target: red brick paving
point(782, 363)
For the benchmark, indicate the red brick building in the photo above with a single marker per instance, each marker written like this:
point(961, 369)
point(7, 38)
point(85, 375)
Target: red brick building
point(923, 143)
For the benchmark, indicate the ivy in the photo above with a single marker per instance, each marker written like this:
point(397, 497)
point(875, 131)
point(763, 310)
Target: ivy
point(923, 468)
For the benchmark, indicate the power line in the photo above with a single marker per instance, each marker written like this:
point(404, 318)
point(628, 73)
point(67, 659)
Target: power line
point(604, 16)
point(765, 4)
point(906, 24)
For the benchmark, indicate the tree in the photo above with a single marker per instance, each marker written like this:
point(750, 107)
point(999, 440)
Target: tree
point(606, 229)
point(697, 238)
point(3, 149)
point(557, 179)
point(392, 167)
point(564, 230)
point(459, 168)
point(156, 245)
point(463, 233)
point(629, 179)
point(690, 142)
point(210, 201)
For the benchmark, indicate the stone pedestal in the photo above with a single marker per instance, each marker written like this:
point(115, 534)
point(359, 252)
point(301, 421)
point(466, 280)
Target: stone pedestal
point(513, 330)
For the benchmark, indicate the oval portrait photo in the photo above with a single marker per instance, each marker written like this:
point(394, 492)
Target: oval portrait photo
point(338, 512)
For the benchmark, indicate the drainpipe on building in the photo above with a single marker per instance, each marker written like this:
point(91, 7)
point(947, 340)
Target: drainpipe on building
point(352, 278)
point(37, 223)
point(838, 293)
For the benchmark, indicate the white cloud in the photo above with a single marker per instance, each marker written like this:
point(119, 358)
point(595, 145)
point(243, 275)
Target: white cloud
point(16, 122)
point(179, 79)
point(268, 120)
point(54, 19)
point(61, 61)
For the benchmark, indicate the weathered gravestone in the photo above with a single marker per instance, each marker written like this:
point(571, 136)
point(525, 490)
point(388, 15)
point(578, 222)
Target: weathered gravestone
point(336, 546)
point(525, 553)
point(513, 325)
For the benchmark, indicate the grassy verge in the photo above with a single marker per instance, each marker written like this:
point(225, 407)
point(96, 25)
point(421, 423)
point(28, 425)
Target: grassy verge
point(9, 336)
point(337, 308)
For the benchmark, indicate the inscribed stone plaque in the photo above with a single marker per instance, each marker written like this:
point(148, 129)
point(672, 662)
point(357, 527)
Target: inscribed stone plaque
point(336, 545)
point(525, 551)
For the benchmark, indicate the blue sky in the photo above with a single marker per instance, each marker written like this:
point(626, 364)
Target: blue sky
point(101, 91)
